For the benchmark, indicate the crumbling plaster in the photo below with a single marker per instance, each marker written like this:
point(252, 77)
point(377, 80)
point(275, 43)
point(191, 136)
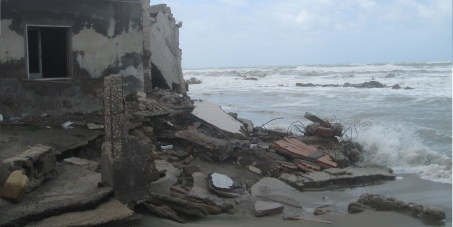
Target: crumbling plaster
point(164, 39)
point(106, 38)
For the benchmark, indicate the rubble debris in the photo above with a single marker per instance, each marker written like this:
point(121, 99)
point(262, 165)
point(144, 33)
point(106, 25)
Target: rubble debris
point(15, 187)
point(162, 185)
point(75, 189)
point(37, 162)
point(224, 185)
point(248, 125)
point(212, 114)
point(178, 205)
point(354, 208)
point(307, 166)
point(164, 212)
point(216, 149)
point(396, 86)
point(160, 102)
point(110, 213)
point(383, 203)
point(322, 128)
point(338, 157)
point(168, 168)
point(93, 126)
point(334, 176)
point(88, 164)
point(200, 191)
point(296, 149)
point(262, 208)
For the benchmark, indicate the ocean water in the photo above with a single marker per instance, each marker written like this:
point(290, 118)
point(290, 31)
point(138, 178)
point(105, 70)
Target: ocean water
point(408, 130)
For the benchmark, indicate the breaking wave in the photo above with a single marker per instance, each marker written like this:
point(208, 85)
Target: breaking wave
point(401, 149)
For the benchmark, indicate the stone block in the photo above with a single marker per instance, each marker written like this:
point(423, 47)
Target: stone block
point(262, 208)
point(162, 186)
point(15, 187)
point(37, 162)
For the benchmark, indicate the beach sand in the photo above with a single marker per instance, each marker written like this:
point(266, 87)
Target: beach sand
point(407, 187)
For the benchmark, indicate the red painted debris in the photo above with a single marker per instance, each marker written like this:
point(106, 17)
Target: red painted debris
point(307, 166)
point(297, 149)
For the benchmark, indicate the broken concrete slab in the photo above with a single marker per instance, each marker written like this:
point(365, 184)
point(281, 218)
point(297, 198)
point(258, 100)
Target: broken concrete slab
point(15, 187)
point(200, 190)
point(212, 114)
point(162, 185)
point(262, 208)
point(74, 190)
point(163, 212)
point(275, 190)
point(225, 186)
point(178, 205)
point(60, 140)
point(37, 162)
point(335, 176)
point(168, 168)
point(88, 164)
point(216, 149)
point(111, 213)
point(248, 125)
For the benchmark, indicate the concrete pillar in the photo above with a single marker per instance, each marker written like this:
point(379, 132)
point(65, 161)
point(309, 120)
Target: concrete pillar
point(123, 157)
point(146, 46)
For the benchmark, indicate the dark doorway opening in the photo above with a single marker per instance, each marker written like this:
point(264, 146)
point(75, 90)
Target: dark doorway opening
point(48, 49)
point(157, 79)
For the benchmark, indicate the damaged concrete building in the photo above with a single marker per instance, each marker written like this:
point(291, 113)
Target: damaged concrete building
point(55, 54)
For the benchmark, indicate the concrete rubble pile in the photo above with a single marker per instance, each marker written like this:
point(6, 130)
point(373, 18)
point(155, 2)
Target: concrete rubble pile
point(192, 160)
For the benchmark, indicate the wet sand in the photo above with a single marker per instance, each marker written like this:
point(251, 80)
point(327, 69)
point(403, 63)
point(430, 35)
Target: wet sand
point(408, 189)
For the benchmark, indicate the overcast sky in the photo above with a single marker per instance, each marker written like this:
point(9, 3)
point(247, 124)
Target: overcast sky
point(228, 33)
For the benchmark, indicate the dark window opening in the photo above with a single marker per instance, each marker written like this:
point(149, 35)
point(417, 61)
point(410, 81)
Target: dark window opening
point(47, 52)
point(157, 79)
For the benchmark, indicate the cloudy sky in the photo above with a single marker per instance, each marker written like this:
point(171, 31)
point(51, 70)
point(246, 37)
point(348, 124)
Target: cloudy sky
point(228, 33)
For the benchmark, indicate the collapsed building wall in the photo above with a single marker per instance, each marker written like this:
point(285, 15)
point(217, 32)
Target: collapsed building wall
point(56, 53)
point(166, 55)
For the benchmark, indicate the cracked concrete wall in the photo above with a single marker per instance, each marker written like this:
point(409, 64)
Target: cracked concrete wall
point(164, 42)
point(105, 37)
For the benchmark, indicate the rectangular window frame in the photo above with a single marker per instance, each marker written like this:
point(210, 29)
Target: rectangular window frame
point(68, 52)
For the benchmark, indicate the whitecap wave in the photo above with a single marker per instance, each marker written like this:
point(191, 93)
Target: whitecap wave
point(400, 148)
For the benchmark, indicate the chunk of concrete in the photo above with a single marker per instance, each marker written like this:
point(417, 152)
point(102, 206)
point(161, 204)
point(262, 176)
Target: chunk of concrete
point(162, 185)
point(216, 149)
point(15, 187)
point(225, 186)
point(200, 191)
point(37, 162)
point(275, 190)
point(212, 114)
point(111, 213)
point(168, 168)
point(248, 125)
point(74, 190)
point(88, 164)
point(178, 205)
point(335, 176)
point(262, 208)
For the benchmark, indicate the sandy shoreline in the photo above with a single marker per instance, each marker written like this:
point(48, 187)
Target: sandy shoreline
point(408, 189)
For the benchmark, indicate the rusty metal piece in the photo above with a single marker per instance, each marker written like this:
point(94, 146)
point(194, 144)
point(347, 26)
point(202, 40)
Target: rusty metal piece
point(326, 132)
point(297, 149)
point(307, 166)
